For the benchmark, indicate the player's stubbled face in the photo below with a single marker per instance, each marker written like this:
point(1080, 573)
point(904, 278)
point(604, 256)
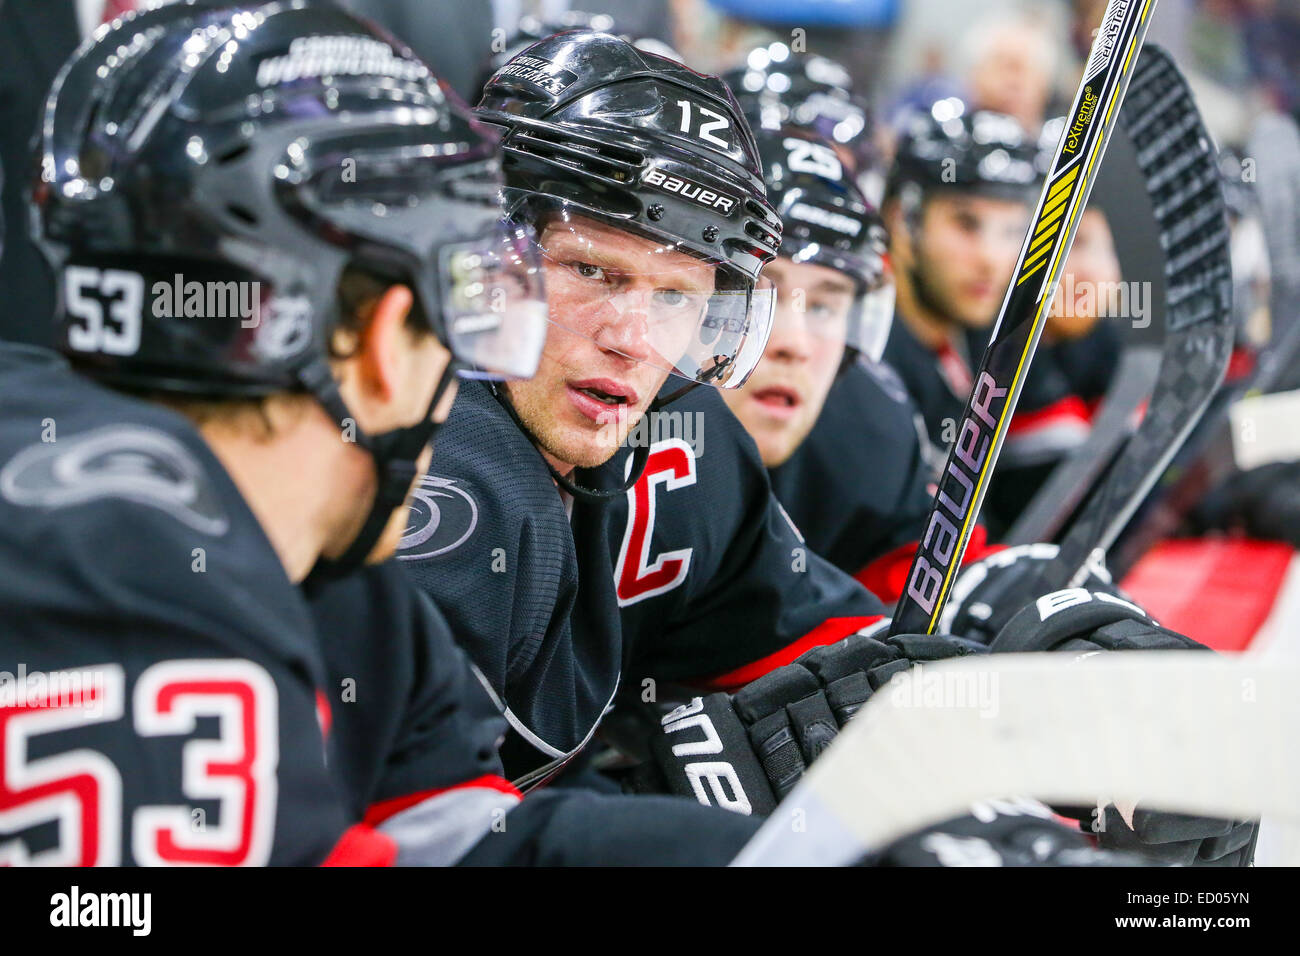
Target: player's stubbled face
point(623, 310)
point(965, 253)
point(783, 398)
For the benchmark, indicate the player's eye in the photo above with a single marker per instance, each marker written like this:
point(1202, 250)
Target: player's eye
point(588, 271)
point(680, 302)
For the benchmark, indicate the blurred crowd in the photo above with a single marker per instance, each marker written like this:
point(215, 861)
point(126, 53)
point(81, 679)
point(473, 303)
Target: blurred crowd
point(877, 59)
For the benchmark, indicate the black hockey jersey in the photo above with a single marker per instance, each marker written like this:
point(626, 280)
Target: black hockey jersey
point(860, 486)
point(411, 723)
point(718, 582)
point(938, 382)
point(160, 680)
point(148, 618)
point(416, 737)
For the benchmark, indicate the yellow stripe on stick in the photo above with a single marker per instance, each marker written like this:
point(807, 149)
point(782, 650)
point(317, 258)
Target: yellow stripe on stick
point(1063, 184)
point(1031, 271)
point(1053, 212)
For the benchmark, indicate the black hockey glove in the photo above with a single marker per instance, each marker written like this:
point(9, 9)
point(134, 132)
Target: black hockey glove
point(989, 592)
point(1001, 833)
point(1264, 502)
point(1087, 622)
point(746, 751)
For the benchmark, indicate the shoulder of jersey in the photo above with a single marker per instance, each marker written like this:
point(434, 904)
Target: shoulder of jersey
point(378, 600)
point(69, 447)
point(485, 477)
point(716, 424)
point(106, 499)
point(885, 378)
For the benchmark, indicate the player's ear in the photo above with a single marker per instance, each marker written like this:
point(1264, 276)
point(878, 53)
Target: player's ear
point(384, 343)
point(896, 225)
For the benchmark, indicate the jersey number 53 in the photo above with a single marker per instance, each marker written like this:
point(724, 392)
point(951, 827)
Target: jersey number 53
point(80, 789)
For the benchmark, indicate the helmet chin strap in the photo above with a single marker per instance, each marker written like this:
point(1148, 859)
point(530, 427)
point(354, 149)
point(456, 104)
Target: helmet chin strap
point(640, 455)
point(396, 456)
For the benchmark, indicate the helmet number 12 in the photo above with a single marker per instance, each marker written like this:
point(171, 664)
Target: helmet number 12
point(709, 123)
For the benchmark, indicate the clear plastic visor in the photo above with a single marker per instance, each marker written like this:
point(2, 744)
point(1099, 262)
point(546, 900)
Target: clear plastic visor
point(851, 307)
point(494, 302)
point(655, 303)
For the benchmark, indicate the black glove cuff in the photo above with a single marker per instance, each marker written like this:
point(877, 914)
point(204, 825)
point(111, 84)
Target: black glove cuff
point(705, 753)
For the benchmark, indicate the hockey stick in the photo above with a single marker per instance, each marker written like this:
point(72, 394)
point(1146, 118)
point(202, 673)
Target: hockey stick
point(1020, 323)
point(1182, 175)
point(1182, 731)
point(1122, 195)
point(1275, 146)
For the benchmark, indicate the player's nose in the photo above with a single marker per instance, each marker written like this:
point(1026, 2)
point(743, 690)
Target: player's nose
point(791, 339)
point(625, 326)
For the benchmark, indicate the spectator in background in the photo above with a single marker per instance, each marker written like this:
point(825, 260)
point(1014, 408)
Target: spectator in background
point(458, 38)
point(1011, 66)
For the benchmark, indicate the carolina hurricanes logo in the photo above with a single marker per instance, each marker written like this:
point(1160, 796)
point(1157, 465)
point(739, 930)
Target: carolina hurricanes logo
point(139, 464)
point(442, 518)
point(672, 464)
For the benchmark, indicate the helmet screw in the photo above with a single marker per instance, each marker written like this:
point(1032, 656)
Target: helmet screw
point(710, 233)
point(656, 211)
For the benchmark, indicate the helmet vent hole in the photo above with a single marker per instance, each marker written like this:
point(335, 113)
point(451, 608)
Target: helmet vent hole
point(245, 216)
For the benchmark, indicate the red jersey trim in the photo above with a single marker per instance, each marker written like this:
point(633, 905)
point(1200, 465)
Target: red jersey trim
point(886, 576)
point(362, 846)
point(1071, 408)
point(828, 632)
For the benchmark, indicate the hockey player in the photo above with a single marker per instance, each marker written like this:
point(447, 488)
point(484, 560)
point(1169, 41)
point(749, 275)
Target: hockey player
point(957, 201)
point(822, 407)
point(714, 586)
point(274, 275)
point(847, 465)
point(557, 503)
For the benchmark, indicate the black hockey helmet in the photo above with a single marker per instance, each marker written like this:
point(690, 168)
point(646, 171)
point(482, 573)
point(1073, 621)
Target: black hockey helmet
point(190, 158)
point(596, 128)
point(952, 147)
point(531, 29)
point(779, 87)
point(829, 222)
